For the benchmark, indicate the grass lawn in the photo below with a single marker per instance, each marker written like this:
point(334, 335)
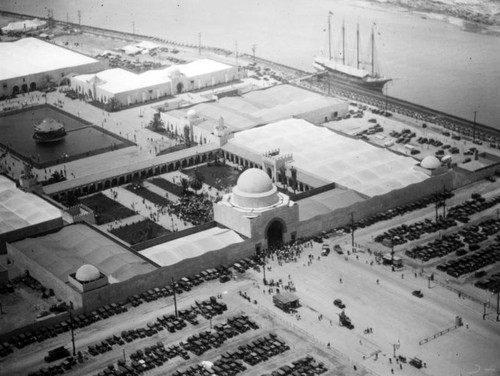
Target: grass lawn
point(106, 210)
point(145, 193)
point(167, 186)
point(219, 177)
point(139, 232)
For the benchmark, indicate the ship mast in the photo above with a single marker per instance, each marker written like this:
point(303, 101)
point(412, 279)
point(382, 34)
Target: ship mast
point(357, 47)
point(330, 14)
point(343, 42)
point(373, 51)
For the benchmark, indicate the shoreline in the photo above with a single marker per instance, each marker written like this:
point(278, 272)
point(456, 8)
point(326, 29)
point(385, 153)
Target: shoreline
point(445, 11)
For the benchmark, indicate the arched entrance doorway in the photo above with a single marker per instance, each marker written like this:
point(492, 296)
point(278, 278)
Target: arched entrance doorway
point(15, 90)
point(275, 234)
point(180, 87)
point(24, 88)
point(32, 86)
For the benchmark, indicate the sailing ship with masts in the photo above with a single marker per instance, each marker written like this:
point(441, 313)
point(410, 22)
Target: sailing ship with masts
point(343, 72)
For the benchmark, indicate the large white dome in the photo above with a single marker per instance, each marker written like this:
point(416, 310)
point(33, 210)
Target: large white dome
point(87, 273)
point(430, 162)
point(254, 189)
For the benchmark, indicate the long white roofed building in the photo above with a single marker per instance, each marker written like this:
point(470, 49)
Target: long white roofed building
point(26, 63)
point(129, 88)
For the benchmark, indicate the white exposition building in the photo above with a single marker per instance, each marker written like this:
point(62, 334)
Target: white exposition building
point(27, 63)
point(128, 88)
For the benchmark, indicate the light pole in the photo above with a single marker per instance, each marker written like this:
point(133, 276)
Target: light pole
point(72, 331)
point(175, 298)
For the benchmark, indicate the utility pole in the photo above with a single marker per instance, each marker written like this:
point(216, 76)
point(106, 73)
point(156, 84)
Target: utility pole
point(199, 43)
point(79, 20)
point(133, 31)
point(253, 51)
point(72, 332)
point(175, 298)
point(67, 17)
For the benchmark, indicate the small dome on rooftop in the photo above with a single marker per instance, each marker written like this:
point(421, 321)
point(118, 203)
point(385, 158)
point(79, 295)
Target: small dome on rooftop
point(87, 273)
point(430, 162)
point(191, 113)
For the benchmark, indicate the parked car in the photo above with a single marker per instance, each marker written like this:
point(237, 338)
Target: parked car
point(417, 293)
point(326, 250)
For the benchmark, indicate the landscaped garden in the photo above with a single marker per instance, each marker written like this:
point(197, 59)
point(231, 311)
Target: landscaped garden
point(218, 176)
point(139, 190)
point(139, 232)
point(167, 186)
point(106, 210)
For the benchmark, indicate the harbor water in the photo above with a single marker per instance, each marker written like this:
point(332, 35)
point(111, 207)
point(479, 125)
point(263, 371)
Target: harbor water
point(432, 62)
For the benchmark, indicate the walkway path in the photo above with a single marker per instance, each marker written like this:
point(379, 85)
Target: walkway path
point(148, 210)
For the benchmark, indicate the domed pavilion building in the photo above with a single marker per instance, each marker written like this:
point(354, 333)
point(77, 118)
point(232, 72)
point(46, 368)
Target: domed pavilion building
point(258, 211)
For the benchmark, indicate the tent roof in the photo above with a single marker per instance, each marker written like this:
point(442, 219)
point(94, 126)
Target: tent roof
point(31, 56)
point(263, 106)
point(19, 209)
point(191, 246)
point(351, 163)
point(65, 251)
point(202, 67)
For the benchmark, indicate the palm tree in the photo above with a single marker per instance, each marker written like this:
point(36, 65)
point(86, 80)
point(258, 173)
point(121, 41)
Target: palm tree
point(283, 175)
point(187, 138)
point(157, 123)
point(196, 181)
point(112, 105)
point(294, 179)
point(184, 185)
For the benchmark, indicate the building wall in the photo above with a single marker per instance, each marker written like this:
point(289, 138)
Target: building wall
point(342, 216)
point(163, 276)
point(6, 86)
point(327, 113)
point(62, 289)
point(28, 231)
point(289, 215)
point(233, 219)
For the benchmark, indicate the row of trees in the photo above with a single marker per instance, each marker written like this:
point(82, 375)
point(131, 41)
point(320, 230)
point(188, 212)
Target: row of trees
point(283, 179)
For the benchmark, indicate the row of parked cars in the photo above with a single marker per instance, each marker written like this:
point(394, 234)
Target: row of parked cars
point(58, 369)
point(438, 248)
point(156, 355)
point(476, 204)
point(492, 283)
point(402, 209)
point(80, 321)
point(473, 261)
point(303, 366)
point(22, 340)
point(208, 308)
point(461, 212)
point(405, 233)
point(456, 242)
